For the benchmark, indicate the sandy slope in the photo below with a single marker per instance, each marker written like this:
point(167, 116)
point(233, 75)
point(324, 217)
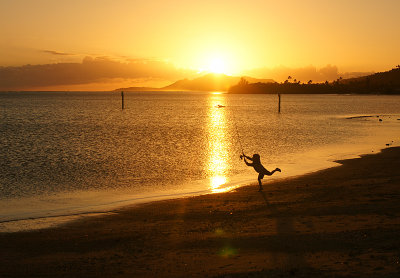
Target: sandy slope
point(340, 222)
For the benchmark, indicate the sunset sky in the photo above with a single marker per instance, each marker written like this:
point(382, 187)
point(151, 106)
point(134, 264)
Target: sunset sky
point(185, 37)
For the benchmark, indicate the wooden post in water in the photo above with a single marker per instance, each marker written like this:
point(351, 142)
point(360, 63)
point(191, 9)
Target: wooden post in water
point(122, 96)
point(279, 103)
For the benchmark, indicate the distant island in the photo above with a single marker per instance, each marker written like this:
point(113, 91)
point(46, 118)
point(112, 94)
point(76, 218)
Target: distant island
point(209, 82)
point(379, 83)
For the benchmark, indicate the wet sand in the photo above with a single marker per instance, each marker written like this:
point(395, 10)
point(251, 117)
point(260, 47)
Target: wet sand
point(339, 222)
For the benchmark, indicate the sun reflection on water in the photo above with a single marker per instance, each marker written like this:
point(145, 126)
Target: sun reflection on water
point(218, 145)
point(217, 181)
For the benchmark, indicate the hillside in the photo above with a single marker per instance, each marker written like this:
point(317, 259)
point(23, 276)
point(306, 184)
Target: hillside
point(137, 89)
point(211, 82)
point(389, 78)
point(379, 83)
point(208, 82)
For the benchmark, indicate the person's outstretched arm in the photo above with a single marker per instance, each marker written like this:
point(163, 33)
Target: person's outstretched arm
point(248, 157)
point(245, 161)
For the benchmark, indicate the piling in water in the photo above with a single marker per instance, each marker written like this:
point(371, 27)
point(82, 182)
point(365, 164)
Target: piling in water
point(279, 103)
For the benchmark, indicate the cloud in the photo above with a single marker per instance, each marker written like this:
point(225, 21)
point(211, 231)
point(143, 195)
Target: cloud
point(105, 73)
point(59, 53)
point(304, 74)
point(90, 70)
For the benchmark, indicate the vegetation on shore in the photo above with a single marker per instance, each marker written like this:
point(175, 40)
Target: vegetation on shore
point(379, 83)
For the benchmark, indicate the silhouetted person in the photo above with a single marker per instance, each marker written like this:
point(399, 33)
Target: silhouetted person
point(258, 167)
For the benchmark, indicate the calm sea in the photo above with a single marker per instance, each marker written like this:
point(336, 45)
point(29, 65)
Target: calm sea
point(65, 153)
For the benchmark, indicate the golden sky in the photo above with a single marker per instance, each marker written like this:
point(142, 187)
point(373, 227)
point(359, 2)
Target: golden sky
point(223, 36)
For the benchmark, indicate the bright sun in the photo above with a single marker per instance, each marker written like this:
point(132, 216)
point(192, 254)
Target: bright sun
point(215, 61)
point(216, 64)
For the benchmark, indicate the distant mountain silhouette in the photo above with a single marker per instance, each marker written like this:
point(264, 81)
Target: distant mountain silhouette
point(211, 82)
point(137, 89)
point(383, 82)
point(388, 78)
point(208, 82)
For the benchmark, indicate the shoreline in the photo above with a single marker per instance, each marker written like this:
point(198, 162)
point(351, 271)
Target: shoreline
point(337, 222)
point(59, 216)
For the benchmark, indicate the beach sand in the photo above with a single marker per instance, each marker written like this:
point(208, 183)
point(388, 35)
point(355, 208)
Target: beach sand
point(339, 222)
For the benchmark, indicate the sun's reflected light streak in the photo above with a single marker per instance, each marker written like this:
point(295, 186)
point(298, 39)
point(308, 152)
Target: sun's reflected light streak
point(217, 181)
point(218, 143)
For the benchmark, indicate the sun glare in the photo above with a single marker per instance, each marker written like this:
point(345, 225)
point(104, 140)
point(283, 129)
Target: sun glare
point(217, 64)
point(215, 57)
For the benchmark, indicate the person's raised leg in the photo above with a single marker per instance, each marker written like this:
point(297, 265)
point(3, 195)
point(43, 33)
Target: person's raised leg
point(276, 170)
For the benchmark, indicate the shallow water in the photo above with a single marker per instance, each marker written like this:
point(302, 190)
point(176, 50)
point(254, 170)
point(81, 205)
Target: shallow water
point(66, 152)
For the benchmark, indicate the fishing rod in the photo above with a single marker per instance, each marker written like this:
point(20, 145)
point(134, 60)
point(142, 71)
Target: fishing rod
point(238, 136)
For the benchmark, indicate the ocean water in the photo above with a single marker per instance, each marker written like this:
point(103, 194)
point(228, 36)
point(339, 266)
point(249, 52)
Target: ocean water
point(72, 153)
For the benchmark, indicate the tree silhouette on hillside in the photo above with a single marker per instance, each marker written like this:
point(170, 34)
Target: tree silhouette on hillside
point(379, 83)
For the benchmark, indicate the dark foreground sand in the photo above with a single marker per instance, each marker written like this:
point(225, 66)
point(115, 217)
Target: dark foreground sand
point(340, 222)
